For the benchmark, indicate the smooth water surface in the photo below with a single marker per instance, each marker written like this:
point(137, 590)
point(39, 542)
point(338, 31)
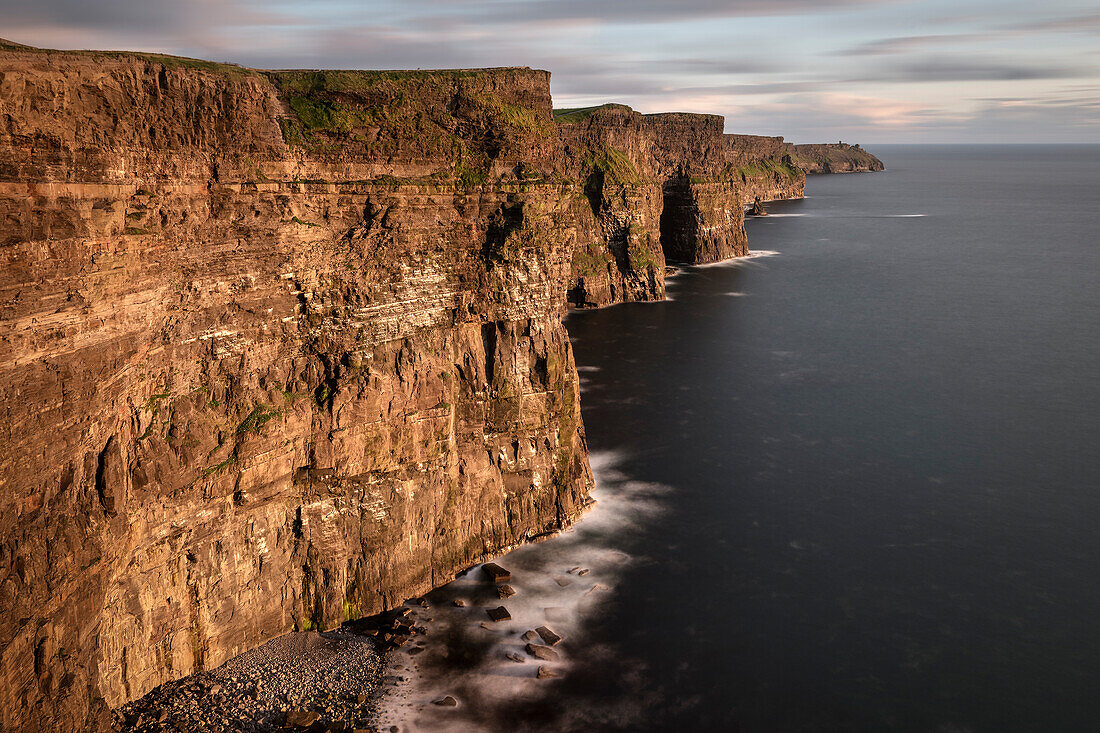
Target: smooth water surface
point(881, 448)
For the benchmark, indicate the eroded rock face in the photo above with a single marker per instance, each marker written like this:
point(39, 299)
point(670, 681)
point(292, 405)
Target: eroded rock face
point(276, 351)
point(281, 349)
point(662, 188)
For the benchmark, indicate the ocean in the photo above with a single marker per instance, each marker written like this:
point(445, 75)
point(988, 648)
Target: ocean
point(852, 484)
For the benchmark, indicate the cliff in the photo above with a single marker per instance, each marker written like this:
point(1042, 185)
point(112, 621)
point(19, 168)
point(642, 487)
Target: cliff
point(282, 349)
point(662, 188)
point(835, 158)
point(278, 350)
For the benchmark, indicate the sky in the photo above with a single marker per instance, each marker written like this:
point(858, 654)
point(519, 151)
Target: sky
point(867, 71)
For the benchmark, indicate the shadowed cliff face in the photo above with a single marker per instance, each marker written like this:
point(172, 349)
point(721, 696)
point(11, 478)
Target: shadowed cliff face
point(663, 188)
point(277, 351)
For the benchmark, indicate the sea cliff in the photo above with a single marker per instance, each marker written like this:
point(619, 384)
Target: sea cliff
point(835, 158)
point(282, 349)
point(662, 188)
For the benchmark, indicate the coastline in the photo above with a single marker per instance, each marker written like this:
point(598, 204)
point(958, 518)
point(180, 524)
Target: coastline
point(459, 651)
point(274, 368)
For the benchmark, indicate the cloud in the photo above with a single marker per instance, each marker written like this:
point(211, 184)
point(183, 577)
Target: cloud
point(903, 44)
point(959, 68)
point(1089, 23)
point(638, 11)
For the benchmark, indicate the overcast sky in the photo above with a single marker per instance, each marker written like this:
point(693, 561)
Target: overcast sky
point(867, 71)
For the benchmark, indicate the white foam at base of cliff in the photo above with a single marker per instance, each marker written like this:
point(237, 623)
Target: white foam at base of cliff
point(493, 682)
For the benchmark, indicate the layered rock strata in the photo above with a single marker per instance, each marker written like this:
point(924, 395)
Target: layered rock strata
point(282, 349)
point(277, 350)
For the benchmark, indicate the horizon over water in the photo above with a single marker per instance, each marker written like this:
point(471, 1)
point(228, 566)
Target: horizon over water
point(850, 486)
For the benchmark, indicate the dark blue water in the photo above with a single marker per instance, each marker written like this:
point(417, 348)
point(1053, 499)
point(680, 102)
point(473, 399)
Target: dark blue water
point(879, 448)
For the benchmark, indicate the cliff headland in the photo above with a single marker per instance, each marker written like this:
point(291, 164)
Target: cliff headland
point(281, 349)
point(835, 158)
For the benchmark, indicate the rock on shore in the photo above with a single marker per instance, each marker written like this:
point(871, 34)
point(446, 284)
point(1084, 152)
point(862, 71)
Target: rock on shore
point(297, 680)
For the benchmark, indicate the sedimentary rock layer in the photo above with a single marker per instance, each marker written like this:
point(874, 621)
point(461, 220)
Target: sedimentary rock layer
point(281, 349)
point(277, 350)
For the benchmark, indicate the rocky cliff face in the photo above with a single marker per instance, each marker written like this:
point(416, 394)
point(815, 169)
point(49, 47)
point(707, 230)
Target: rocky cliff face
point(835, 158)
point(278, 350)
point(767, 168)
point(662, 188)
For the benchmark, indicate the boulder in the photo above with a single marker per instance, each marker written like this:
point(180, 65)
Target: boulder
point(530, 635)
point(446, 701)
point(301, 718)
point(548, 635)
point(500, 613)
point(496, 573)
point(545, 672)
point(542, 652)
point(505, 591)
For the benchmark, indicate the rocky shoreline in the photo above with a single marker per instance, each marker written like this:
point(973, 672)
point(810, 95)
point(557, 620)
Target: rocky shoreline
point(317, 681)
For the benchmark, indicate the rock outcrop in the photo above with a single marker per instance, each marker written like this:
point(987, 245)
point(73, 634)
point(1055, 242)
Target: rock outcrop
point(278, 350)
point(835, 158)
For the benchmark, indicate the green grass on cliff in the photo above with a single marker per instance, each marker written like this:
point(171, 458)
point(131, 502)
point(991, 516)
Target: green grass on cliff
point(261, 414)
point(637, 248)
point(424, 114)
point(569, 115)
point(588, 262)
point(767, 166)
point(514, 115)
point(614, 164)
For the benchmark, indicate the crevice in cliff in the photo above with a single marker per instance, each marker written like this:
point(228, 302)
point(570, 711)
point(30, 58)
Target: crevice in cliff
point(489, 341)
point(105, 500)
point(593, 191)
point(678, 220)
